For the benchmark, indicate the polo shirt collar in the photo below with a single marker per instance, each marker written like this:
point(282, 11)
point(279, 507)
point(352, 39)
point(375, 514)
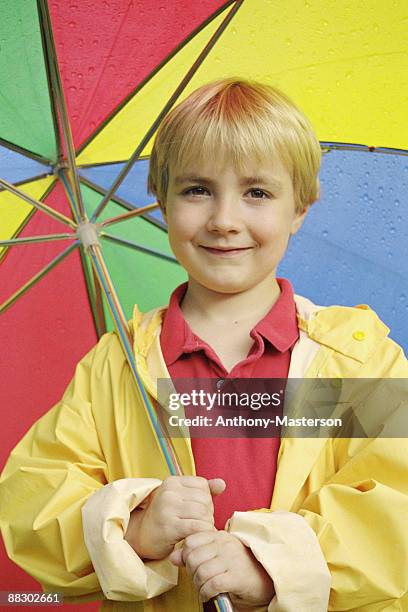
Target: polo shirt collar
point(279, 326)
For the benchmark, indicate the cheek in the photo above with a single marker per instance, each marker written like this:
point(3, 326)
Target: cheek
point(183, 225)
point(271, 231)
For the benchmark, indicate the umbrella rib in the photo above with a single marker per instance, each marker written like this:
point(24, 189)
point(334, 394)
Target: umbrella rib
point(36, 239)
point(32, 179)
point(25, 152)
point(180, 88)
point(51, 91)
point(122, 202)
point(56, 86)
point(138, 247)
point(69, 194)
point(26, 220)
point(137, 212)
point(37, 204)
point(38, 276)
point(349, 146)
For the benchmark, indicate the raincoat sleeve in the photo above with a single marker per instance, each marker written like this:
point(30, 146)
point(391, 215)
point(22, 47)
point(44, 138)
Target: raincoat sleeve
point(289, 551)
point(49, 476)
point(122, 574)
point(358, 519)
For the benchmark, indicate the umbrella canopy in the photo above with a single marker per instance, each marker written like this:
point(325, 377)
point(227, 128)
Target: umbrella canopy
point(70, 122)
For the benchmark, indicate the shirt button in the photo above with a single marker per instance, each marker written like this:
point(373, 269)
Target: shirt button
point(219, 383)
point(359, 335)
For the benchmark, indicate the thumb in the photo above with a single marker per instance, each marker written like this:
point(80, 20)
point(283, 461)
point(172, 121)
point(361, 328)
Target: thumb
point(176, 557)
point(217, 486)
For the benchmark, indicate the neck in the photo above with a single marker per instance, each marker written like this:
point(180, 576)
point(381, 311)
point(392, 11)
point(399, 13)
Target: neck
point(200, 303)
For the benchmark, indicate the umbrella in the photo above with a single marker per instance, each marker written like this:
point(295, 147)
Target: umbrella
point(117, 69)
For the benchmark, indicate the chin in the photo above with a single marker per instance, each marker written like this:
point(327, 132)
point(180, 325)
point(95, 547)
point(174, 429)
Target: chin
point(226, 286)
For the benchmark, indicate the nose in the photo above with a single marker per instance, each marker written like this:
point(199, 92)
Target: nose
point(225, 215)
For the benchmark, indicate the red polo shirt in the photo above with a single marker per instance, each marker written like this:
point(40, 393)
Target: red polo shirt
point(248, 465)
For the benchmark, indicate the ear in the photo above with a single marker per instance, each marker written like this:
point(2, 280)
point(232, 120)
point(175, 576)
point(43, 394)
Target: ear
point(298, 220)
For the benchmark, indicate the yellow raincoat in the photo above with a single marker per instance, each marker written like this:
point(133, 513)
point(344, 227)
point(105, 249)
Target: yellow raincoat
point(345, 497)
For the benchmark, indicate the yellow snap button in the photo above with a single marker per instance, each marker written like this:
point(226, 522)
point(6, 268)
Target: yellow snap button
point(359, 335)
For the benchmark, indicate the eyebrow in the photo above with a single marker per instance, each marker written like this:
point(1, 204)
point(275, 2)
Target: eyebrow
point(191, 179)
point(246, 181)
point(262, 180)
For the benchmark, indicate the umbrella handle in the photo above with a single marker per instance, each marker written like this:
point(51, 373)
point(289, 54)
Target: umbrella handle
point(223, 603)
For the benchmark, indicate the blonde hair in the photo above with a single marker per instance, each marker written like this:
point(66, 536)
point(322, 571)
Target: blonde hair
point(240, 119)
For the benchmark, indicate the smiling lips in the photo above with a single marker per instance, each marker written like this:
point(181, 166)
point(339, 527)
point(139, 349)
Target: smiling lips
point(225, 251)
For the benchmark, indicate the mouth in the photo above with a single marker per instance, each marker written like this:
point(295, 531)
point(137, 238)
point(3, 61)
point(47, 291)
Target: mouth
point(225, 251)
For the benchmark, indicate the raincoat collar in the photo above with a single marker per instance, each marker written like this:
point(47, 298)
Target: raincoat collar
point(354, 332)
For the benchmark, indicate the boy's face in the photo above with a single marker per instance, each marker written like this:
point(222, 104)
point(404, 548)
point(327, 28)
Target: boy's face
point(229, 228)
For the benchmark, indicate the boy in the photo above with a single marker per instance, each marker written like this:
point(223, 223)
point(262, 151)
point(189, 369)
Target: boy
point(234, 168)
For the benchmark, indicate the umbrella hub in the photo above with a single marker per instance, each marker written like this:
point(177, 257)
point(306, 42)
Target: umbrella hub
point(88, 234)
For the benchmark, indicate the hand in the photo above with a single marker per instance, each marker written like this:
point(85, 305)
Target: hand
point(219, 563)
point(181, 506)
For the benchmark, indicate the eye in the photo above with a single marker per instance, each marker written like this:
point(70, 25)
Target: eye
point(196, 191)
point(258, 194)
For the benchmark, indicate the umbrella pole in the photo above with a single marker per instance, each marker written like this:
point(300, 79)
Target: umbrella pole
point(125, 338)
point(222, 602)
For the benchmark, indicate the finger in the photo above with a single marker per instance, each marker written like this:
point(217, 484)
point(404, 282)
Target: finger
point(193, 559)
point(176, 557)
point(188, 527)
point(217, 486)
point(177, 483)
point(196, 510)
point(197, 540)
point(199, 495)
point(214, 586)
point(194, 482)
point(206, 571)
